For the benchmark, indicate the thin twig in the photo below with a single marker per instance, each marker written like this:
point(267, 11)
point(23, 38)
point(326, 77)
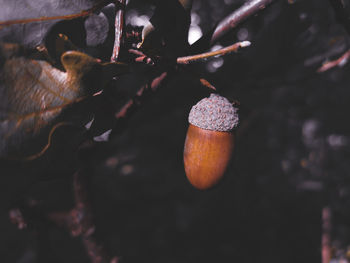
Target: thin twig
point(341, 61)
point(83, 13)
point(238, 16)
point(119, 24)
point(188, 59)
point(230, 22)
point(133, 103)
point(220, 52)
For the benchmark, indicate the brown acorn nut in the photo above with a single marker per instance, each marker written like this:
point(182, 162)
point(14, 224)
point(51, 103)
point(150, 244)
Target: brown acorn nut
point(209, 141)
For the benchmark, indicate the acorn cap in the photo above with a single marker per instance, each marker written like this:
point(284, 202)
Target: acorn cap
point(215, 113)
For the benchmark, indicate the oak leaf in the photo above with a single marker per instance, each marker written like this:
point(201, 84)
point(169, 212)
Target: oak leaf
point(34, 94)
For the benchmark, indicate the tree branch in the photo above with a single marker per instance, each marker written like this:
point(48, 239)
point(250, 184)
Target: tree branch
point(341, 61)
point(238, 16)
point(230, 22)
point(233, 48)
point(119, 24)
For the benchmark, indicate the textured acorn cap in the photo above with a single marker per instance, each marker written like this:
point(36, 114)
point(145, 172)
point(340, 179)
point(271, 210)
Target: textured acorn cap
point(215, 113)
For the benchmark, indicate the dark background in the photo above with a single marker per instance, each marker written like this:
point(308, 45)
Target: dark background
point(290, 160)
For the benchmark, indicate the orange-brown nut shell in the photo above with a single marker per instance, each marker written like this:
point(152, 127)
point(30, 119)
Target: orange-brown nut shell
point(206, 155)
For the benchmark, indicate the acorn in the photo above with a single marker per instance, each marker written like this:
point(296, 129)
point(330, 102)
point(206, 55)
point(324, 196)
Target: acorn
point(209, 141)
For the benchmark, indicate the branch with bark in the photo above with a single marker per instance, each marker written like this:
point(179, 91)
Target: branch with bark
point(217, 53)
point(249, 9)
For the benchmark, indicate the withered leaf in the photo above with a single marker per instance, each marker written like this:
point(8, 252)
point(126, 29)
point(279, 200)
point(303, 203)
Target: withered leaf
point(93, 29)
point(33, 93)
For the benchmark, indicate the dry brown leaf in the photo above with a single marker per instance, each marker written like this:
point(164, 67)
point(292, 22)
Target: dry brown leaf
point(33, 93)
